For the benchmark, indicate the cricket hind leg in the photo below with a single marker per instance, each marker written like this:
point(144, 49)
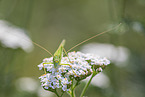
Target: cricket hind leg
point(44, 67)
point(70, 62)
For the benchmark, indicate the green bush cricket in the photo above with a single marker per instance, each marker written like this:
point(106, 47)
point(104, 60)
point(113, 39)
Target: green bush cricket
point(59, 52)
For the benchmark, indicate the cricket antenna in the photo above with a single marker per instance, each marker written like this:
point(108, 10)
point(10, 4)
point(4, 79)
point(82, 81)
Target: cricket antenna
point(37, 45)
point(42, 48)
point(94, 37)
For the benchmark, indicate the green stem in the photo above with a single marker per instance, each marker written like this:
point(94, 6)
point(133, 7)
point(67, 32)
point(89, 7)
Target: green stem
point(77, 83)
point(62, 94)
point(56, 93)
point(73, 93)
point(72, 90)
point(85, 88)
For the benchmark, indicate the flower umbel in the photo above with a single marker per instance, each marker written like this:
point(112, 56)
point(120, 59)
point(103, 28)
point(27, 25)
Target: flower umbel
point(71, 70)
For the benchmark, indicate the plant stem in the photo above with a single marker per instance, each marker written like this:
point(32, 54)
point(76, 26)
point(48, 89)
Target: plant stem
point(72, 90)
point(77, 83)
point(56, 93)
point(73, 93)
point(62, 94)
point(85, 88)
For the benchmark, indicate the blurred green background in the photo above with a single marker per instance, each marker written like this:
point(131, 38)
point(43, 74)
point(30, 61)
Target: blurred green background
point(47, 22)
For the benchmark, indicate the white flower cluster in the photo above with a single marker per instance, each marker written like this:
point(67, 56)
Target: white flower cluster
point(76, 66)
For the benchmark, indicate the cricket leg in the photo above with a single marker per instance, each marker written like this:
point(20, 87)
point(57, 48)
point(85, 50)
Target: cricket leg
point(71, 69)
point(70, 61)
point(44, 67)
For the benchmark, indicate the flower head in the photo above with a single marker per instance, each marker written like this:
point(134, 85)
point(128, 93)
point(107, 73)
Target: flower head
point(76, 66)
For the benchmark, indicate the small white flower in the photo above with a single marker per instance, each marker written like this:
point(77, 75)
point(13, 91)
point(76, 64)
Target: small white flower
point(46, 87)
point(100, 69)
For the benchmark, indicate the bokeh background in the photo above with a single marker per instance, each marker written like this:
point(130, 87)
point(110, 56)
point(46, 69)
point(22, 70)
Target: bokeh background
point(47, 22)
